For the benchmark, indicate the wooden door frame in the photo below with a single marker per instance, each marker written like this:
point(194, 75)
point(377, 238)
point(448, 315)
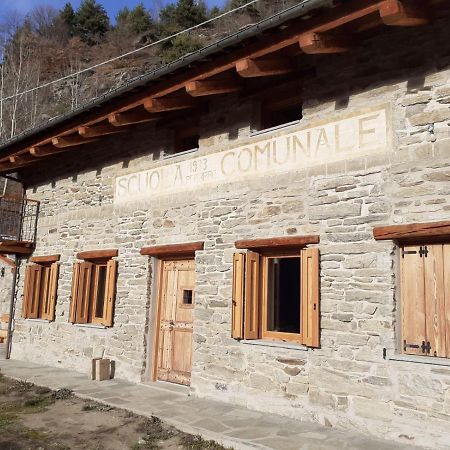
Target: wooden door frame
point(157, 315)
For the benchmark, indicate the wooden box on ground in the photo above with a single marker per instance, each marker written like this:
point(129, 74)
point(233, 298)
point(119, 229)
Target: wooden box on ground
point(101, 369)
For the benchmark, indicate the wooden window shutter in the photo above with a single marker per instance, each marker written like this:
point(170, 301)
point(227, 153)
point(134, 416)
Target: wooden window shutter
point(110, 292)
point(74, 294)
point(310, 296)
point(237, 308)
point(84, 292)
point(35, 292)
point(27, 291)
point(52, 291)
point(251, 305)
point(446, 268)
point(413, 300)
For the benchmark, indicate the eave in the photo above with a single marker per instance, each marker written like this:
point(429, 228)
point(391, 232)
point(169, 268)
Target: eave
point(228, 66)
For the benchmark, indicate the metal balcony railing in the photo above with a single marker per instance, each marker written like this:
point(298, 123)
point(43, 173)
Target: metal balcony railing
point(18, 219)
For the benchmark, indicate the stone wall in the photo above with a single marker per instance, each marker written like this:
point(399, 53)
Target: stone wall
point(345, 383)
point(5, 288)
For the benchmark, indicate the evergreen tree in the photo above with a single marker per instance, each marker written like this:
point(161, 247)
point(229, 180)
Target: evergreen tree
point(180, 46)
point(251, 10)
point(92, 22)
point(135, 21)
point(185, 14)
point(68, 17)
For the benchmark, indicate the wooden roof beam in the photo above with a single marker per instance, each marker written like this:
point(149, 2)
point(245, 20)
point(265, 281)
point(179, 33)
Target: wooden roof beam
point(19, 160)
point(201, 88)
point(164, 104)
point(404, 14)
point(321, 43)
point(131, 117)
point(88, 132)
point(70, 141)
point(264, 67)
point(38, 151)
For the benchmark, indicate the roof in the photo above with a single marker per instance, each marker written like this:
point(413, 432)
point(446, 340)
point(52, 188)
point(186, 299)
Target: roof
point(307, 24)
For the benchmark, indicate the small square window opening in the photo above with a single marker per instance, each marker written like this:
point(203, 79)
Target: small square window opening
point(187, 296)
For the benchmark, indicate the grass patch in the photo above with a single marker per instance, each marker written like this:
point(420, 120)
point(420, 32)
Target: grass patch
point(198, 443)
point(39, 402)
point(95, 406)
point(150, 444)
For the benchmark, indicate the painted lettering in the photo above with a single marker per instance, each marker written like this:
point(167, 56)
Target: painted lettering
point(245, 162)
point(365, 134)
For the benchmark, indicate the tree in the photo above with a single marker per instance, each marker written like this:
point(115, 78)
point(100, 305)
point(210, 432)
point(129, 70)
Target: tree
point(185, 14)
point(92, 22)
point(136, 21)
point(180, 46)
point(250, 10)
point(67, 15)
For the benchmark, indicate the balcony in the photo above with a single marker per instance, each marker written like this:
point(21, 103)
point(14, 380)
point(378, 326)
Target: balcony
point(18, 225)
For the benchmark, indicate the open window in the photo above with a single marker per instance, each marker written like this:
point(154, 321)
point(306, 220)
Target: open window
point(186, 139)
point(40, 288)
point(276, 296)
point(279, 112)
point(93, 288)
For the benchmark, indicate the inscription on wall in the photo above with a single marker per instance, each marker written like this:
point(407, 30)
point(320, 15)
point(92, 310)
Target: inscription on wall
point(353, 136)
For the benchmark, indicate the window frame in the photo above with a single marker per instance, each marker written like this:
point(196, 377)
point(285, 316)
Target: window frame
point(264, 333)
point(85, 284)
point(268, 107)
point(249, 296)
point(40, 288)
point(427, 339)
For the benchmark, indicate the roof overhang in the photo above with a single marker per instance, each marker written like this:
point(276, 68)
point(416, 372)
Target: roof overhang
point(265, 50)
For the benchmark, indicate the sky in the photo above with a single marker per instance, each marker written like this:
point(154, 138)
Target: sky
point(111, 6)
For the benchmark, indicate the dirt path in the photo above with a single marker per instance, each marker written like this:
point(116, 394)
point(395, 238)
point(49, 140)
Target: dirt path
point(34, 418)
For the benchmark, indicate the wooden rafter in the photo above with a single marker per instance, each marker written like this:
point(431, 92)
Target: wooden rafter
point(70, 141)
point(162, 104)
point(316, 43)
point(131, 117)
point(357, 15)
point(200, 88)
point(402, 13)
point(264, 67)
point(95, 131)
point(44, 150)
point(19, 160)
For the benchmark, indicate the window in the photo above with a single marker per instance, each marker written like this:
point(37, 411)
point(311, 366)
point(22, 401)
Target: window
point(276, 296)
point(40, 288)
point(275, 113)
point(186, 139)
point(93, 291)
point(425, 299)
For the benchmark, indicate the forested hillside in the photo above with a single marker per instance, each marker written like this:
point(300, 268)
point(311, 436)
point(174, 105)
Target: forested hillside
point(49, 44)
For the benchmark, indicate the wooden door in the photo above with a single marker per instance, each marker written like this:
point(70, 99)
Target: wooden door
point(176, 305)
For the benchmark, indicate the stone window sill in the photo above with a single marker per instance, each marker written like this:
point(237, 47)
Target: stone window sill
point(276, 344)
point(175, 155)
point(278, 127)
point(39, 320)
point(421, 360)
point(90, 325)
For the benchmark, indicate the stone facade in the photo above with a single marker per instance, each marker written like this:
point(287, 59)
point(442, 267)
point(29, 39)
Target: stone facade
point(346, 383)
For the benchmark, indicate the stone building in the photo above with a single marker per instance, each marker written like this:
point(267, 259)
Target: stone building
point(265, 220)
